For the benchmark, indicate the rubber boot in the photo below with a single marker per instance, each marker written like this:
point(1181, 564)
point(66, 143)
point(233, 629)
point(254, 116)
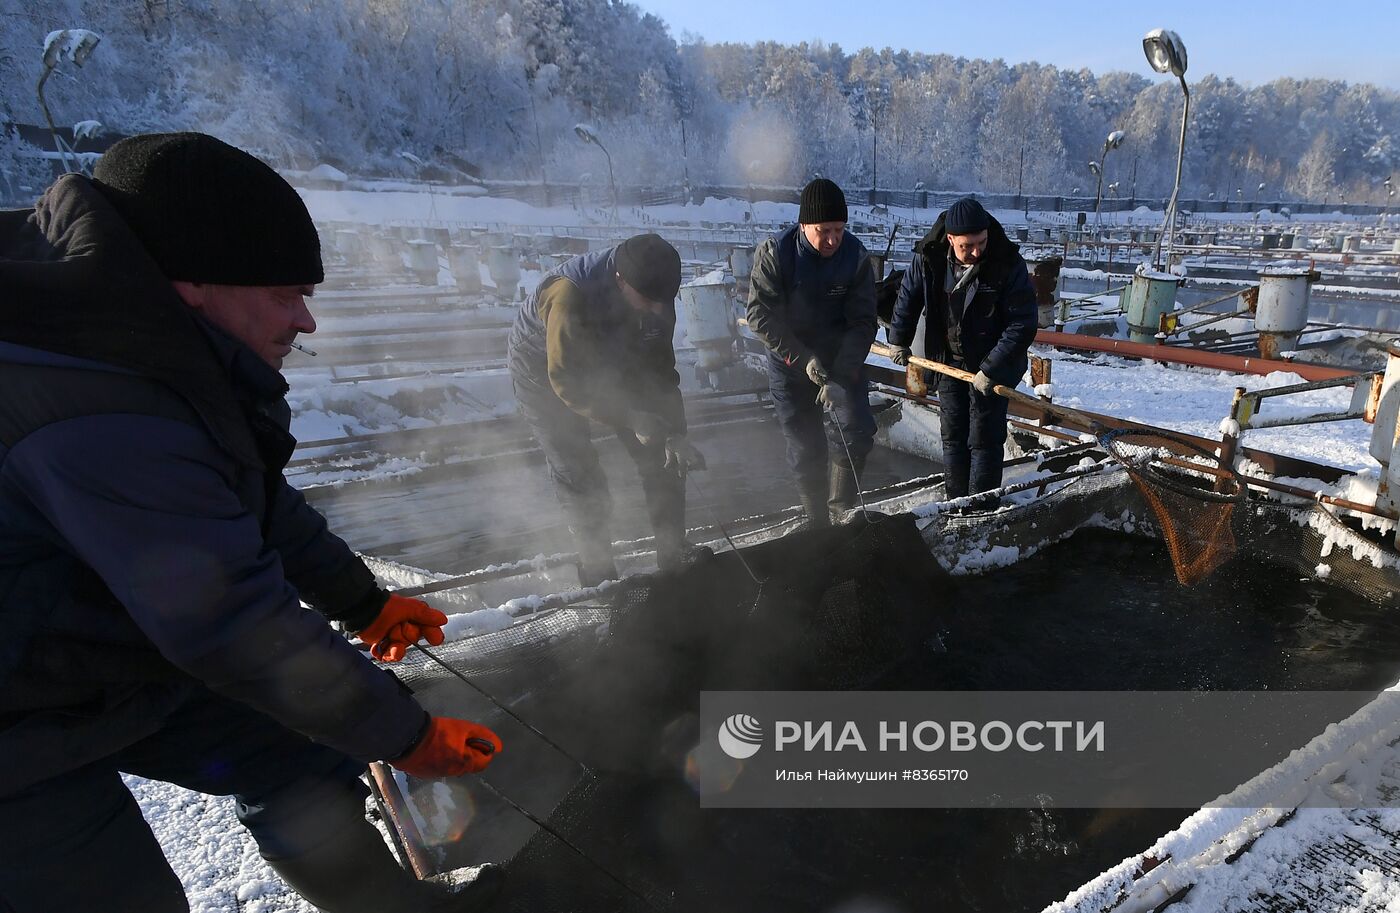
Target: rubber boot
point(595, 557)
point(355, 873)
point(813, 494)
point(665, 497)
point(843, 489)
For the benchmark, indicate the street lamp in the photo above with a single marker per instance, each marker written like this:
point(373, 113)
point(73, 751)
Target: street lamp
point(881, 93)
point(1114, 140)
point(75, 45)
point(589, 135)
point(1166, 54)
point(918, 188)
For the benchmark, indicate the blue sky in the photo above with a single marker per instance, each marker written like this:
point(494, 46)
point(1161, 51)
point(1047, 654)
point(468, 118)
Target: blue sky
point(1254, 42)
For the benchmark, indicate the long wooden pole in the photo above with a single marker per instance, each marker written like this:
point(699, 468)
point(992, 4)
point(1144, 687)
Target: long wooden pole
point(1011, 393)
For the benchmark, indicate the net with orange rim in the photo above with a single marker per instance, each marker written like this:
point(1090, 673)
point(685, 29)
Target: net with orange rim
point(1192, 496)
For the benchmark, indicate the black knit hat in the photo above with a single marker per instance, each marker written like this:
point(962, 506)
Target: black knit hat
point(966, 217)
point(649, 265)
point(822, 201)
point(208, 212)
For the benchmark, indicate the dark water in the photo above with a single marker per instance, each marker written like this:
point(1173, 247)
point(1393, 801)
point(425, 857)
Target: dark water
point(456, 522)
point(1099, 611)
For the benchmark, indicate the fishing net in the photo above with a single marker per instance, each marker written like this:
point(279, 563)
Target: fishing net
point(1192, 496)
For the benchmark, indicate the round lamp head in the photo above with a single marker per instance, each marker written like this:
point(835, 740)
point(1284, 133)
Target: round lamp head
point(585, 133)
point(1165, 52)
point(1115, 139)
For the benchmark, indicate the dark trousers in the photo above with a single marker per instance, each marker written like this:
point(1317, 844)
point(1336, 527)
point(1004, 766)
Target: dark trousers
point(78, 842)
point(579, 481)
point(809, 436)
point(974, 432)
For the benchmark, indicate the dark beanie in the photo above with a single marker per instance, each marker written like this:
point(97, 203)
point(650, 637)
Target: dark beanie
point(822, 201)
point(650, 265)
point(966, 217)
point(208, 212)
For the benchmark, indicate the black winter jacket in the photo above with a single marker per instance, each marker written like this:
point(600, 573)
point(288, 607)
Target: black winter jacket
point(802, 304)
point(998, 324)
point(149, 544)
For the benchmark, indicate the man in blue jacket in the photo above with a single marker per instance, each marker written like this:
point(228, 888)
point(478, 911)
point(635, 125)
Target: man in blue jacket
point(969, 280)
point(592, 344)
point(812, 302)
point(153, 559)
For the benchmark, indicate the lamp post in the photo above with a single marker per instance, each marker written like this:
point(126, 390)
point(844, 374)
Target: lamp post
point(75, 45)
point(1166, 54)
point(881, 93)
point(918, 188)
point(1114, 140)
point(589, 135)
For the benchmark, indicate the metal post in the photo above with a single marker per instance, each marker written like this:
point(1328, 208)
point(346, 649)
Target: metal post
point(1176, 188)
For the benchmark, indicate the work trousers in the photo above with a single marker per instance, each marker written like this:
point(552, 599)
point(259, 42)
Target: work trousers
point(579, 481)
point(810, 434)
point(974, 435)
point(78, 843)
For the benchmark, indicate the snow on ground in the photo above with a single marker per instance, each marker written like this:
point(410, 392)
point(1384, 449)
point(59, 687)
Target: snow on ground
point(1195, 400)
point(216, 859)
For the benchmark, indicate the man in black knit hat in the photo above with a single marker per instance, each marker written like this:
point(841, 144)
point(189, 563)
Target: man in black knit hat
point(593, 344)
point(969, 279)
point(154, 561)
point(812, 302)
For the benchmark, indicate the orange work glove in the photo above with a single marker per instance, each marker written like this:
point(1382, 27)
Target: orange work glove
point(400, 623)
point(450, 748)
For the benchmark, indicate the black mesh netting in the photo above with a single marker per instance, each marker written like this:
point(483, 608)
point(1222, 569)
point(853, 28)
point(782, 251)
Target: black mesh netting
point(833, 609)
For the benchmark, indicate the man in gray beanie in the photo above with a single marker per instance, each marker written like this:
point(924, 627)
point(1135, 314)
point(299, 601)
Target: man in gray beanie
point(154, 561)
point(812, 302)
point(592, 344)
point(968, 281)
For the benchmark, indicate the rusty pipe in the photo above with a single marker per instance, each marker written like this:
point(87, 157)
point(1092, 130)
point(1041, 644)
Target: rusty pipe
point(1195, 357)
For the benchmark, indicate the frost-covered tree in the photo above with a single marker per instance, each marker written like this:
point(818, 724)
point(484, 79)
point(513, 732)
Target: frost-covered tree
point(435, 89)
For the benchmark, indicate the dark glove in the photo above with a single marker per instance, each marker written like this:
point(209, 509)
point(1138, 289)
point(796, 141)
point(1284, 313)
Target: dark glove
point(900, 354)
point(815, 372)
point(983, 384)
point(649, 427)
point(833, 396)
point(450, 748)
point(682, 456)
point(400, 623)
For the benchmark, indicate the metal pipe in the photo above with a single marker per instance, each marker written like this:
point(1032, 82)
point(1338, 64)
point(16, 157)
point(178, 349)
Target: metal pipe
point(1184, 356)
point(398, 821)
point(1279, 487)
point(1182, 328)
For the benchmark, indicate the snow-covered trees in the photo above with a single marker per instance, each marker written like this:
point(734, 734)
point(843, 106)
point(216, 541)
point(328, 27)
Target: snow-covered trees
point(373, 85)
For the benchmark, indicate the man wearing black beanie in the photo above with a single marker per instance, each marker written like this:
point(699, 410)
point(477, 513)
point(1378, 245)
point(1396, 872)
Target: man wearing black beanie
point(969, 280)
point(593, 344)
point(812, 302)
point(154, 560)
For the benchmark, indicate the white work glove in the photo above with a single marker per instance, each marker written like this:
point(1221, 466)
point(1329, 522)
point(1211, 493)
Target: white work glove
point(983, 384)
point(649, 427)
point(682, 456)
point(833, 396)
point(900, 354)
point(815, 372)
